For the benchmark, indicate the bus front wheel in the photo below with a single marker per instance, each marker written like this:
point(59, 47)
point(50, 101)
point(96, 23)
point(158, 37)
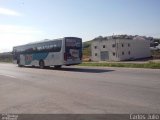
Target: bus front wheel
point(41, 64)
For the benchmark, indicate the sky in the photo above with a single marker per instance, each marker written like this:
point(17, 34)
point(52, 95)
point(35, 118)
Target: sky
point(24, 21)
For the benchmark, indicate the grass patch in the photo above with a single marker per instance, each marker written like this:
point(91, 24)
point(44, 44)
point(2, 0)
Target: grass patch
point(7, 60)
point(152, 65)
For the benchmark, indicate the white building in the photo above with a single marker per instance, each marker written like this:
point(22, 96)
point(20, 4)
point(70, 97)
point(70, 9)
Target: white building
point(118, 48)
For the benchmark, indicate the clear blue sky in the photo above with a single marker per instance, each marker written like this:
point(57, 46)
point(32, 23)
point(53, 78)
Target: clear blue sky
point(23, 21)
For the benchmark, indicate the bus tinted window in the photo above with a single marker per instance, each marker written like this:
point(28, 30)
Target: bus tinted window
point(51, 46)
point(73, 43)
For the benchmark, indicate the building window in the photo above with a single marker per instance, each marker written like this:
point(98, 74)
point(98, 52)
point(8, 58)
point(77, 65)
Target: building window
point(129, 52)
point(113, 45)
point(95, 54)
point(128, 45)
point(114, 53)
point(122, 53)
point(122, 45)
point(95, 47)
point(104, 46)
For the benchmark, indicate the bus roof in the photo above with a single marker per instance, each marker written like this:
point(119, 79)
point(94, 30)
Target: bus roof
point(46, 40)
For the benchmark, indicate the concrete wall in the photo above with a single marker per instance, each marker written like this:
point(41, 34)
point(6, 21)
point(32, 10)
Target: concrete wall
point(95, 51)
point(141, 49)
point(100, 48)
point(124, 49)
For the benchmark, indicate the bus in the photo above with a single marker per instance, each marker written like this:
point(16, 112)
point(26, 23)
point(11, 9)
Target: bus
point(65, 51)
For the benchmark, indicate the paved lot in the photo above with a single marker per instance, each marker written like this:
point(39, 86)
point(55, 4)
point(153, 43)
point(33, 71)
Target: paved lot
point(79, 90)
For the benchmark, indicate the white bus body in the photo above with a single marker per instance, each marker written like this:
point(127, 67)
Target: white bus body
point(58, 52)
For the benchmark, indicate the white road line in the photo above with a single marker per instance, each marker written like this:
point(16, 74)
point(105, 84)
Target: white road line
point(7, 76)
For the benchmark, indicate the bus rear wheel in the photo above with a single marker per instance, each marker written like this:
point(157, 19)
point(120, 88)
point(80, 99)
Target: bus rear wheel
point(19, 65)
point(57, 66)
point(41, 64)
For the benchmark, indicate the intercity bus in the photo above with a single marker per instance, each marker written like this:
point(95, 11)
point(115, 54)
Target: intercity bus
point(65, 51)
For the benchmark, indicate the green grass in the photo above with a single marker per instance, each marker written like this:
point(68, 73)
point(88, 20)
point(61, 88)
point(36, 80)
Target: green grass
point(152, 65)
point(87, 48)
point(6, 59)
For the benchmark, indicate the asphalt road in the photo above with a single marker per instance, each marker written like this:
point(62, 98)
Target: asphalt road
point(79, 90)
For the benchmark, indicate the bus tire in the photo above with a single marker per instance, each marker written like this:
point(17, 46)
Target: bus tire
point(19, 65)
point(57, 66)
point(41, 64)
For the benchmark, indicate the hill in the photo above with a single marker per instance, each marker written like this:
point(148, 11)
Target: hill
point(6, 57)
point(87, 50)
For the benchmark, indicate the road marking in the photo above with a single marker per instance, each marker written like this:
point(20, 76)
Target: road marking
point(7, 76)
